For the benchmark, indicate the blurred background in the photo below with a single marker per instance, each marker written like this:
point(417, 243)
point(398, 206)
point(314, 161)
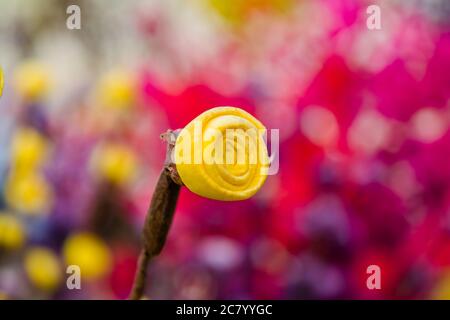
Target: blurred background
point(364, 173)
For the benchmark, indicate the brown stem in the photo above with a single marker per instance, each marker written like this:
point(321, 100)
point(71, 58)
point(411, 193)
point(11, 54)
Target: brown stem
point(156, 227)
point(141, 276)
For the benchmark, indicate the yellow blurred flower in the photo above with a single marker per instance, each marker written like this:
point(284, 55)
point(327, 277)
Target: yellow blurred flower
point(12, 233)
point(28, 193)
point(29, 150)
point(442, 289)
point(90, 253)
point(116, 90)
point(43, 268)
point(115, 162)
point(32, 80)
point(237, 11)
point(1, 82)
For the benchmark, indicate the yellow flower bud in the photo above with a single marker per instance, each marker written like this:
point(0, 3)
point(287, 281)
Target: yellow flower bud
point(90, 253)
point(43, 268)
point(116, 90)
point(12, 233)
point(32, 80)
point(222, 155)
point(28, 193)
point(28, 151)
point(115, 162)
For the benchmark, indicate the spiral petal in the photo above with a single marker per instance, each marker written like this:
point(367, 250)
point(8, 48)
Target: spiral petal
point(222, 155)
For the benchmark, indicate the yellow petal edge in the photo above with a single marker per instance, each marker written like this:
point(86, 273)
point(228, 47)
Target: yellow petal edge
point(222, 180)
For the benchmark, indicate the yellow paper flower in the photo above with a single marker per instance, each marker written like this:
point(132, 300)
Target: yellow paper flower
point(28, 151)
point(43, 268)
point(222, 155)
point(116, 90)
point(115, 162)
point(12, 233)
point(90, 253)
point(32, 80)
point(28, 193)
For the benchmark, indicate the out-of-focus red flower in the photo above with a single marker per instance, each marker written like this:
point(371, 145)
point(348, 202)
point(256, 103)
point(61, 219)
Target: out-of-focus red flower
point(184, 106)
point(123, 270)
